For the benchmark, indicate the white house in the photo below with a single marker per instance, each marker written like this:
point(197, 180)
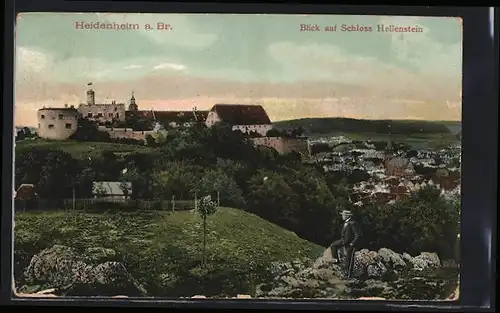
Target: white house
point(245, 118)
point(112, 190)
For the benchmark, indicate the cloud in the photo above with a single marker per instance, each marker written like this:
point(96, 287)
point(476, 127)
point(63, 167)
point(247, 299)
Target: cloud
point(437, 75)
point(169, 66)
point(31, 60)
point(34, 65)
point(330, 62)
point(183, 32)
point(131, 67)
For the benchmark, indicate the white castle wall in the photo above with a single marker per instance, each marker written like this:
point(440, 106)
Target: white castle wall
point(103, 112)
point(261, 129)
point(282, 145)
point(128, 133)
point(57, 123)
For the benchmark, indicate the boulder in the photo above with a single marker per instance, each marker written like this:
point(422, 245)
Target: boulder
point(99, 254)
point(376, 274)
point(60, 268)
point(426, 260)
point(391, 259)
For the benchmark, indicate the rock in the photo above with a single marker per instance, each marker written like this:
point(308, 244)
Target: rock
point(56, 267)
point(60, 268)
point(366, 257)
point(391, 259)
point(426, 260)
point(375, 274)
point(99, 255)
point(362, 260)
point(376, 270)
point(406, 257)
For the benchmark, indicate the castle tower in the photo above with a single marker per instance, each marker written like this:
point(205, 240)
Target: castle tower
point(90, 95)
point(133, 106)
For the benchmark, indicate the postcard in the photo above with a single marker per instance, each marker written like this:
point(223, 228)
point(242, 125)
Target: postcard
point(220, 156)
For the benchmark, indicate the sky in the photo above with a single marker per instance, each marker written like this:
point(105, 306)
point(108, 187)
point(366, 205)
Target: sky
point(267, 60)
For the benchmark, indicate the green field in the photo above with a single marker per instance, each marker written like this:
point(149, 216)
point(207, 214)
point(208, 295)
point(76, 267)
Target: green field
point(160, 245)
point(417, 141)
point(78, 149)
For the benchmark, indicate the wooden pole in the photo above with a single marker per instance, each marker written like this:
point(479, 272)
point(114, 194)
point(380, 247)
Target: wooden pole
point(218, 202)
point(74, 199)
point(204, 262)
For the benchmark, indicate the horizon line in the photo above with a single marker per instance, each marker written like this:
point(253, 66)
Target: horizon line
point(324, 117)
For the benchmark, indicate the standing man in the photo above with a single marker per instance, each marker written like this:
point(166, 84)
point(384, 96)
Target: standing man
point(351, 235)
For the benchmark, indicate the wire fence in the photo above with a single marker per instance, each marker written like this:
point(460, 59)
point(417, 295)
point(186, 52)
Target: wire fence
point(102, 204)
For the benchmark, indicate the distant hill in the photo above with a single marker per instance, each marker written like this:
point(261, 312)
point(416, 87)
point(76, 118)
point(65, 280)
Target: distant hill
point(240, 246)
point(454, 126)
point(314, 126)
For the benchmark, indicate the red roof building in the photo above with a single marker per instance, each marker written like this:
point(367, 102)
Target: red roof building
point(245, 118)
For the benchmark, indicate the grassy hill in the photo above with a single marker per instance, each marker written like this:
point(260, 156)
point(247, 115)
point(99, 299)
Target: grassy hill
point(163, 249)
point(314, 126)
point(454, 126)
point(81, 150)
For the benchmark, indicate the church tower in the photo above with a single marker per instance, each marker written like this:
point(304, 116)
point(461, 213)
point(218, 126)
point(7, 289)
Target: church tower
point(389, 150)
point(133, 105)
point(90, 95)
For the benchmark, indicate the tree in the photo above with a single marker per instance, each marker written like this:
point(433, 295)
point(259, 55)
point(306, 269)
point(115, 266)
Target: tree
point(20, 135)
point(318, 217)
point(320, 147)
point(57, 175)
point(107, 166)
point(273, 133)
point(150, 141)
point(271, 197)
point(424, 222)
point(89, 131)
point(206, 207)
point(217, 181)
point(177, 179)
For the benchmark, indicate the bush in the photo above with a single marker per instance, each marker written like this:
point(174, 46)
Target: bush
point(424, 222)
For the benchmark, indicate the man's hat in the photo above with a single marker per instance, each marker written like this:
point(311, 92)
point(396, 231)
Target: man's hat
point(346, 212)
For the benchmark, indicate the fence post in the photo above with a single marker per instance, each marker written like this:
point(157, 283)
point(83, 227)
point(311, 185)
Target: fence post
point(74, 199)
point(173, 203)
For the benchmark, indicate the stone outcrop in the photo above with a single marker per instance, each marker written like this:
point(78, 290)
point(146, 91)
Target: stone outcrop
point(68, 273)
point(376, 274)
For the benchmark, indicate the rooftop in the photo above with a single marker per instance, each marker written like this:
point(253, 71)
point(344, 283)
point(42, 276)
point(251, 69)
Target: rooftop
point(239, 114)
point(58, 109)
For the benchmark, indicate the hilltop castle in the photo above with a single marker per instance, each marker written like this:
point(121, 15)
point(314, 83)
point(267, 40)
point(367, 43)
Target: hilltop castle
point(102, 112)
point(114, 118)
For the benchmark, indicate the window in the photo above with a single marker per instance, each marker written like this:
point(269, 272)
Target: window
point(60, 116)
point(99, 114)
point(117, 115)
point(51, 126)
point(38, 125)
point(89, 115)
point(68, 125)
point(43, 116)
point(110, 114)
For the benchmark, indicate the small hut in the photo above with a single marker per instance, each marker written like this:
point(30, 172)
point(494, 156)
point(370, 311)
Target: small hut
point(25, 197)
